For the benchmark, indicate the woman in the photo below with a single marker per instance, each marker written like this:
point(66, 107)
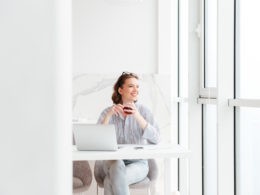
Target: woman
point(134, 124)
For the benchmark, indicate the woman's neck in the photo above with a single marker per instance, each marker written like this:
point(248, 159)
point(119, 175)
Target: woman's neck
point(127, 102)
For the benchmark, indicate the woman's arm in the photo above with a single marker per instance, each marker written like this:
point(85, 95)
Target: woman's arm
point(108, 113)
point(147, 123)
point(141, 121)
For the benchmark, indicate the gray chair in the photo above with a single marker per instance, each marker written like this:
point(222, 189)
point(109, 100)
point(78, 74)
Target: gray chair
point(147, 183)
point(82, 176)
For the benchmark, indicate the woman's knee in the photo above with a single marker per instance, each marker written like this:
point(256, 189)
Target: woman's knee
point(118, 165)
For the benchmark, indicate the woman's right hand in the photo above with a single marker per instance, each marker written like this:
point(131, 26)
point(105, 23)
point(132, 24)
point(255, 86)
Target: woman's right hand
point(116, 109)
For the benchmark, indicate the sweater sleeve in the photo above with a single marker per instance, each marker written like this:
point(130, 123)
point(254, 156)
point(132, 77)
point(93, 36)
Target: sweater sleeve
point(103, 115)
point(151, 132)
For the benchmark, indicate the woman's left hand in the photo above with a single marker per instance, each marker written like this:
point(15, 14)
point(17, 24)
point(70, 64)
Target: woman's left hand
point(130, 109)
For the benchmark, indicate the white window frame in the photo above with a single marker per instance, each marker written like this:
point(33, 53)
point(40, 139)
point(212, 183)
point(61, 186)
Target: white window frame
point(225, 115)
point(239, 102)
point(244, 103)
point(221, 94)
point(223, 97)
point(195, 110)
point(205, 92)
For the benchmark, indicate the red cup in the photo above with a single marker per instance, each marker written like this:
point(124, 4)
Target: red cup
point(127, 109)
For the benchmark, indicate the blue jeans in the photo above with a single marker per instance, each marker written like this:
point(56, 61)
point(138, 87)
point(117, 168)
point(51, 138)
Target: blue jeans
point(121, 173)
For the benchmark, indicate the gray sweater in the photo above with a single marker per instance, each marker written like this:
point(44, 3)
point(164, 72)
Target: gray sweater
point(128, 130)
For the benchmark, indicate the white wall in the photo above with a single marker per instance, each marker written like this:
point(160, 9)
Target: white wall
point(114, 35)
point(35, 134)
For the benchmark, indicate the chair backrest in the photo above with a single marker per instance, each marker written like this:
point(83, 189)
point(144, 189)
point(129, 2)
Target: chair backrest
point(73, 139)
point(153, 169)
point(99, 173)
point(82, 171)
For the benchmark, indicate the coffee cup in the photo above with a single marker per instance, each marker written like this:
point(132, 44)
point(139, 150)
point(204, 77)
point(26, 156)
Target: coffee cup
point(127, 109)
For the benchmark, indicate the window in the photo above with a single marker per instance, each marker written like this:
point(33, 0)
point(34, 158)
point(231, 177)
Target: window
point(208, 94)
point(247, 79)
point(208, 75)
point(248, 60)
point(210, 38)
point(210, 149)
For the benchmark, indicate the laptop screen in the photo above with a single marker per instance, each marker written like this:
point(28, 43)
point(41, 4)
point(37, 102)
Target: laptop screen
point(95, 136)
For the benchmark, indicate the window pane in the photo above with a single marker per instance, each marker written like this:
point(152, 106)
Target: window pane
point(248, 51)
point(183, 51)
point(183, 71)
point(183, 86)
point(210, 149)
point(210, 43)
point(248, 123)
point(248, 150)
point(183, 124)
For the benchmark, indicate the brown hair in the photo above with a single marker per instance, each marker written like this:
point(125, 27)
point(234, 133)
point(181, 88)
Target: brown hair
point(116, 97)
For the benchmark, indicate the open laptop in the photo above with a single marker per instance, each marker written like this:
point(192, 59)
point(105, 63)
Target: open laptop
point(95, 137)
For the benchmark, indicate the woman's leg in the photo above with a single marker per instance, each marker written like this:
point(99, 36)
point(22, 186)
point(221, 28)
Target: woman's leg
point(136, 171)
point(119, 176)
point(115, 182)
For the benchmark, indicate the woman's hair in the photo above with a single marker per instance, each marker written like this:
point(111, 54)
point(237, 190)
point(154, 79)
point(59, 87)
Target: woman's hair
point(116, 97)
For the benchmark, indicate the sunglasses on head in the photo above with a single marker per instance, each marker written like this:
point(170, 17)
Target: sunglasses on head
point(129, 73)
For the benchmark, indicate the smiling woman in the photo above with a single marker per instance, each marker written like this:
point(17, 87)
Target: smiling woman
point(137, 126)
point(126, 87)
point(134, 124)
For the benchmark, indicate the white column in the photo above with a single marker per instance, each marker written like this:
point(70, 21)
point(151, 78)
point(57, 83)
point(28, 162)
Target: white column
point(195, 110)
point(165, 36)
point(35, 106)
point(225, 115)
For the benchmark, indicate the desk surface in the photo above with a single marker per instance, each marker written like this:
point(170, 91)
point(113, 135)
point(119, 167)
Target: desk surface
point(156, 151)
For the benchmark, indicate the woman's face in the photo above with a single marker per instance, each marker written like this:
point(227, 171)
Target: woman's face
point(129, 90)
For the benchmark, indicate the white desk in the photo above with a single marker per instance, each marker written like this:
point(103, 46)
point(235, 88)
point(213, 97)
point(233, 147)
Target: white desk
point(158, 151)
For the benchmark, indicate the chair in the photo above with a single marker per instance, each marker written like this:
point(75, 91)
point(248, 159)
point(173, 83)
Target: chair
point(147, 182)
point(82, 176)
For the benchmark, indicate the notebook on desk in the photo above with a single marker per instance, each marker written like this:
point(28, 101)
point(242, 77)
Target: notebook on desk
point(95, 137)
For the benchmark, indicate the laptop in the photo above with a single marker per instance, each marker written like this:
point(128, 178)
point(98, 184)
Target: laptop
point(95, 137)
